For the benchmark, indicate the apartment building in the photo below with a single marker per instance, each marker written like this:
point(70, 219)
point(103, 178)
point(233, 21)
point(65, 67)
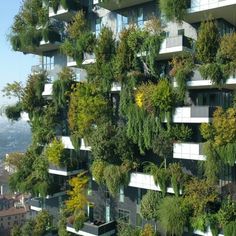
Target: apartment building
point(202, 97)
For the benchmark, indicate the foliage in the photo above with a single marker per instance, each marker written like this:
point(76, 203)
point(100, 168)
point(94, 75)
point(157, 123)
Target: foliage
point(104, 53)
point(147, 230)
point(13, 112)
point(207, 42)
point(77, 195)
point(149, 205)
point(62, 222)
point(226, 52)
point(174, 9)
point(87, 108)
point(221, 135)
point(182, 70)
point(162, 144)
point(97, 169)
point(230, 228)
point(125, 59)
point(80, 39)
point(62, 87)
point(14, 159)
point(141, 127)
point(38, 226)
point(160, 175)
point(173, 215)
point(110, 143)
point(181, 132)
point(14, 89)
point(200, 222)
point(16, 230)
point(214, 72)
point(79, 220)
point(26, 30)
point(178, 178)
point(54, 153)
point(43, 222)
point(127, 230)
point(212, 163)
point(227, 212)
point(32, 100)
point(199, 194)
point(115, 176)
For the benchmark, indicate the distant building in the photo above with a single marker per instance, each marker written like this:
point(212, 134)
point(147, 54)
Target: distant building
point(13, 211)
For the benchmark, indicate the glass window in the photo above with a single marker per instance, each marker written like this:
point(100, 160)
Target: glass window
point(123, 215)
point(139, 220)
point(122, 195)
point(108, 214)
point(98, 27)
point(140, 18)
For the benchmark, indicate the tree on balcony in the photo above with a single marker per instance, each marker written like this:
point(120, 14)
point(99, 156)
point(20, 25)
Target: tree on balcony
point(174, 9)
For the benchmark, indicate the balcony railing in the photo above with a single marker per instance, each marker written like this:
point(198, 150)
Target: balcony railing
point(203, 5)
point(62, 14)
point(94, 228)
point(118, 4)
point(68, 144)
point(36, 204)
point(175, 44)
point(193, 114)
point(47, 92)
point(145, 181)
point(64, 171)
point(189, 151)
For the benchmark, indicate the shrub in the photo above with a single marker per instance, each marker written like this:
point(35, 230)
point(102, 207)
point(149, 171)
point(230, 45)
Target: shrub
point(173, 215)
point(13, 112)
point(97, 170)
point(54, 153)
point(147, 230)
point(207, 42)
point(149, 205)
point(174, 9)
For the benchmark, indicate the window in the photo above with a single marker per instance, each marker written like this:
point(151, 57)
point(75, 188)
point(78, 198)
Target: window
point(122, 195)
point(140, 18)
point(98, 27)
point(181, 32)
point(139, 220)
point(123, 215)
point(8, 217)
point(90, 191)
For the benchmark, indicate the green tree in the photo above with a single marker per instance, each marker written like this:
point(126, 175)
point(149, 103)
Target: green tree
point(173, 215)
point(199, 194)
point(207, 42)
point(149, 205)
point(174, 9)
point(14, 90)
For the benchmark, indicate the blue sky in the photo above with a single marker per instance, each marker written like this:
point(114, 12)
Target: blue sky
point(15, 66)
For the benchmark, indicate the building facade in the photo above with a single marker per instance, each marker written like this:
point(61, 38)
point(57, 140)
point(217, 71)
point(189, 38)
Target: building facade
point(202, 96)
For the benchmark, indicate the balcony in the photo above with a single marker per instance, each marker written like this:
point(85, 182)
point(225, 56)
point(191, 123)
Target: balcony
point(200, 9)
point(36, 204)
point(47, 92)
point(62, 14)
point(189, 151)
point(94, 228)
point(145, 181)
point(197, 82)
point(46, 46)
point(71, 62)
point(193, 114)
point(116, 87)
point(88, 59)
point(114, 5)
point(64, 171)
point(68, 144)
point(174, 45)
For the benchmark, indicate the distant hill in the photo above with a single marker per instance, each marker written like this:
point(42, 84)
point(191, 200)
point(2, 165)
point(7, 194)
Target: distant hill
point(14, 136)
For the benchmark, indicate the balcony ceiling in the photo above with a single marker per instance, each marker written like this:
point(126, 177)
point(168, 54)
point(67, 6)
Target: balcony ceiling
point(119, 4)
point(225, 12)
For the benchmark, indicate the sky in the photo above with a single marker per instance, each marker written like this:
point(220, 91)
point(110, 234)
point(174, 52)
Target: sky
point(15, 66)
